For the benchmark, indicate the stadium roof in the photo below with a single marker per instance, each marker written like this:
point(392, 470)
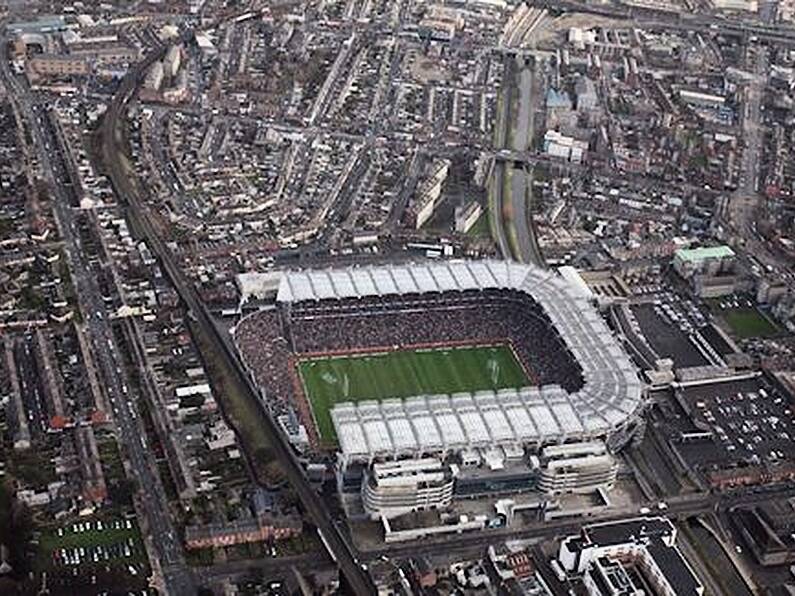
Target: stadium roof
point(610, 395)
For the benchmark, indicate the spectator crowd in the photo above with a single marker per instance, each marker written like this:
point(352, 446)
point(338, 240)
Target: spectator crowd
point(272, 339)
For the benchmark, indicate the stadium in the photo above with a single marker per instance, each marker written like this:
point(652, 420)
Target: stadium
point(410, 360)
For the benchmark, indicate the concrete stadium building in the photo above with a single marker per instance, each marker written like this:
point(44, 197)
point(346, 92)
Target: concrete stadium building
point(605, 406)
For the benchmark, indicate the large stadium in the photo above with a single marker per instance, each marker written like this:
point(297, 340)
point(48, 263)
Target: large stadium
point(408, 360)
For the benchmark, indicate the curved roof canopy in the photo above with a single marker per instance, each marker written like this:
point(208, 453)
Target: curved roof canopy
point(610, 395)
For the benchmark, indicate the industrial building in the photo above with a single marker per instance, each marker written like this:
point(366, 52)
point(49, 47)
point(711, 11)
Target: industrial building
point(467, 216)
point(704, 100)
point(429, 192)
point(154, 77)
point(751, 6)
point(560, 145)
point(172, 61)
point(44, 24)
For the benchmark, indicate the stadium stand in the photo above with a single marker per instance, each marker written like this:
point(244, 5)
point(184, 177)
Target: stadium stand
point(586, 387)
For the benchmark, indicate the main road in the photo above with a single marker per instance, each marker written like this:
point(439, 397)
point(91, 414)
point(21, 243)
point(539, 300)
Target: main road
point(56, 167)
point(126, 187)
point(678, 507)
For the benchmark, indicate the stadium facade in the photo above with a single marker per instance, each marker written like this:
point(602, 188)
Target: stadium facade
point(605, 405)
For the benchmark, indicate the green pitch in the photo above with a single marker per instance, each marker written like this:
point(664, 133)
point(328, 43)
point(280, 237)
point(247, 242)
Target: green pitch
point(749, 322)
point(403, 374)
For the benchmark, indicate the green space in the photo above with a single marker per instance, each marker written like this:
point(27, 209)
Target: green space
point(250, 551)
point(482, 227)
point(748, 322)
point(240, 409)
point(33, 466)
point(404, 373)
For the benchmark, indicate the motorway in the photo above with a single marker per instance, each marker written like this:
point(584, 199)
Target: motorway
point(52, 155)
point(499, 171)
point(522, 179)
point(509, 153)
point(226, 356)
point(649, 18)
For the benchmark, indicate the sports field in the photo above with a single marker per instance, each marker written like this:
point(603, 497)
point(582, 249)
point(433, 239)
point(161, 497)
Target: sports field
point(749, 322)
point(403, 374)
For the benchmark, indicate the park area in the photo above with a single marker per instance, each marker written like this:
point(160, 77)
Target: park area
point(405, 373)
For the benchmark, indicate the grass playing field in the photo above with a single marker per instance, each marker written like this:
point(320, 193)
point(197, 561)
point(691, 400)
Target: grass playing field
point(403, 374)
point(749, 322)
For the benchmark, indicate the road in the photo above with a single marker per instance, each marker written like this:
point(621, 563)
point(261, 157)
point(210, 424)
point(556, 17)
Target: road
point(745, 203)
point(647, 17)
point(512, 151)
point(678, 507)
point(226, 356)
point(176, 577)
point(500, 169)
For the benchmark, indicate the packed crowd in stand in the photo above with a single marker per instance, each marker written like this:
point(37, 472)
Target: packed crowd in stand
point(481, 317)
point(266, 353)
point(271, 339)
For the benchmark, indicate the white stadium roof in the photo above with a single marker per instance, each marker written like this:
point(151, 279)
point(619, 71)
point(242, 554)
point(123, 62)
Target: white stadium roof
point(610, 395)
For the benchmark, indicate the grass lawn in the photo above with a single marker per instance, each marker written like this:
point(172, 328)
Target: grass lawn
point(403, 374)
point(482, 227)
point(749, 322)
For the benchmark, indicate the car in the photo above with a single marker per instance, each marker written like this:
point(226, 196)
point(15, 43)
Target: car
point(645, 510)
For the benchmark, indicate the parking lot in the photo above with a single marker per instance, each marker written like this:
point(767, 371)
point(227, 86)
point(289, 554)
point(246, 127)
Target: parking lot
point(750, 421)
point(97, 543)
point(669, 331)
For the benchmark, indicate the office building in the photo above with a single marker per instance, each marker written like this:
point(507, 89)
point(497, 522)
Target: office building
point(604, 552)
point(391, 489)
point(577, 468)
